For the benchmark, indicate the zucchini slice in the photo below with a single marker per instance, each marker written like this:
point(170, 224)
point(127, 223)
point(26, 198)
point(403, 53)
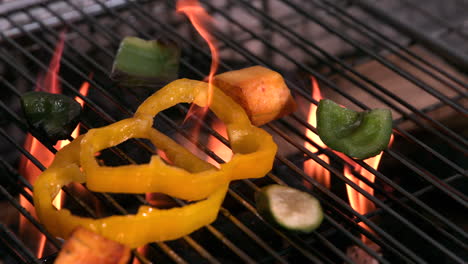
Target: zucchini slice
point(289, 208)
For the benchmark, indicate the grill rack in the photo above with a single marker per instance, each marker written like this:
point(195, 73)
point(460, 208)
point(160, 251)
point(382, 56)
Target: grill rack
point(337, 219)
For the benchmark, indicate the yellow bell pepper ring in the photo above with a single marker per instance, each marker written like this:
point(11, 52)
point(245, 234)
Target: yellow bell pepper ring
point(147, 225)
point(254, 149)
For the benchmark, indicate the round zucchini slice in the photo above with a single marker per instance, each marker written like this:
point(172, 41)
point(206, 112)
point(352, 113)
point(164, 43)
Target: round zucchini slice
point(289, 208)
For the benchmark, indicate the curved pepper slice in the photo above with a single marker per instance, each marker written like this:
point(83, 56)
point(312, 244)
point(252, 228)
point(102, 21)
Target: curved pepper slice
point(253, 147)
point(357, 134)
point(147, 225)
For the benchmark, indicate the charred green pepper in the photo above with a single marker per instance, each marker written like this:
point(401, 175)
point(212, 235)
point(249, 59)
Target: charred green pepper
point(146, 63)
point(53, 115)
point(357, 134)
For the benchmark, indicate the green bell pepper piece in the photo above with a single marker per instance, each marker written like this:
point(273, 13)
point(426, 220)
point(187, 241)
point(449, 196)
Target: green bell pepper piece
point(357, 134)
point(53, 115)
point(146, 63)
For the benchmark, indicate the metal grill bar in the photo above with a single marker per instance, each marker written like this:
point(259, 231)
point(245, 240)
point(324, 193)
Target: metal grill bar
point(199, 146)
point(15, 245)
point(50, 50)
point(448, 27)
point(392, 67)
point(360, 104)
point(83, 205)
point(395, 244)
point(263, 243)
point(407, 195)
point(28, 216)
point(73, 16)
point(433, 43)
point(335, 225)
point(368, 90)
point(448, 191)
point(343, 210)
point(389, 43)
point(230, 192)
point(373, 199)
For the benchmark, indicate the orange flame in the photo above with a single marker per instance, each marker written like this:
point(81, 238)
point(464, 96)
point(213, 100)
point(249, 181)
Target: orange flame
point(31, 172)
point(143, 251)
point(51, 81)
point(59, 199)
point(359, 202)
point(163, 156)
point(51, 84)
point(29, 234)
point(200, 19)
point(312, 168)
point(221, 150)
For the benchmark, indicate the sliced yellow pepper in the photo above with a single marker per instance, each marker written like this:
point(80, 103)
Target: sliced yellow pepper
point(147, 225)
point(254, 149)
point(190, 178)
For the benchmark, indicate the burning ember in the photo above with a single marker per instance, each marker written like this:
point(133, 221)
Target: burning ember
point(312, 168)
point(50, 83)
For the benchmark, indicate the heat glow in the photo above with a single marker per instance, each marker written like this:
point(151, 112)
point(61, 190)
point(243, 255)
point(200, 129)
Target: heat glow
point(312, 168)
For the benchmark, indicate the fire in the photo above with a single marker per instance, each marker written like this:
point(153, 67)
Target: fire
point(31, 172)
point(142, 251)
point(221, 150)
point(32, 237)
point(58, 200)
point(200, 19)
point(312, 168)
point(49, 83)
point(359, 202)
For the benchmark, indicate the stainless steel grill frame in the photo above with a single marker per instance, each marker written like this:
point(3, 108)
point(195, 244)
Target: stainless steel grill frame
point(241, 235)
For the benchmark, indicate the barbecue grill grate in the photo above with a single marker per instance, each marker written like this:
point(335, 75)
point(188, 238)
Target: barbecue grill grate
point(420, 189)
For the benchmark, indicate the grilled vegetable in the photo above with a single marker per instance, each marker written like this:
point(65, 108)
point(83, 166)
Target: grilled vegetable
point(54, 115)
point(85, 246)
point(289, 208)
point(357, 134)
point(260, 91)
point(253, 147)
point(147, 225)
point(145, 62)
point(187, 178)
